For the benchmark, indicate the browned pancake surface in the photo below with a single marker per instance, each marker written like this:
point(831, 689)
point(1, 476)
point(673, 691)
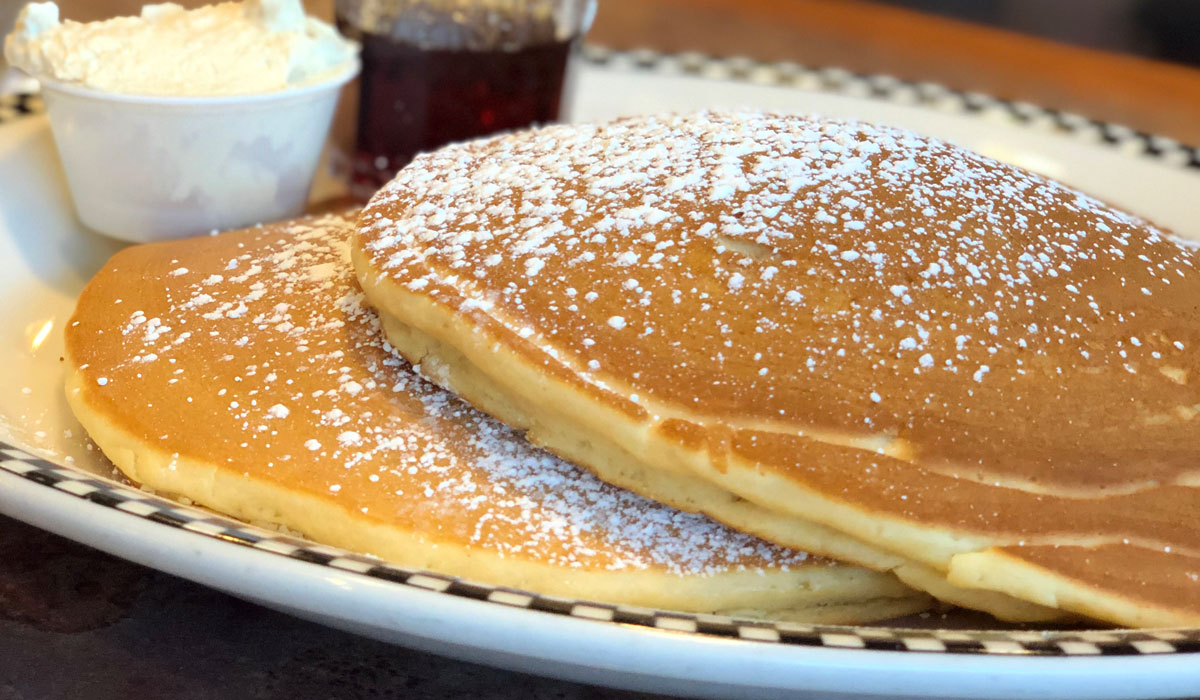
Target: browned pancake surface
point(253, 351)
point(904, 326)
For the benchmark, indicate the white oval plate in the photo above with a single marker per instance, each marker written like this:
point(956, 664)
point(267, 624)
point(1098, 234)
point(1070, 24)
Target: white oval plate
point(52, 477)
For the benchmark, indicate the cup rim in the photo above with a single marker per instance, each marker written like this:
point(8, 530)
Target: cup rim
point(334, 81)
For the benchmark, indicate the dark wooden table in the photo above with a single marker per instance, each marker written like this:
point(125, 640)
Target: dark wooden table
point(75, 623)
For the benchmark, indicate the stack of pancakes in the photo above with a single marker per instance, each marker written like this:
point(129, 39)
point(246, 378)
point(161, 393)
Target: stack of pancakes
point(245, 373)
point(843, 339)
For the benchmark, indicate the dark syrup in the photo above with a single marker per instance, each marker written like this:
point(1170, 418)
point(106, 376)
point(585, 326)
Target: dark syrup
point(414, 99)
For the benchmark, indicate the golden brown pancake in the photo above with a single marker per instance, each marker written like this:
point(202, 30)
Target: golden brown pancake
point(243, 372)
point(948, 360)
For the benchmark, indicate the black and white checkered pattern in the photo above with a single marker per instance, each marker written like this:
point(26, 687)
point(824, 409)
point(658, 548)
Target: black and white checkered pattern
point(842, 82)
point(883, 87)
point(19, 105)
point(135, 503)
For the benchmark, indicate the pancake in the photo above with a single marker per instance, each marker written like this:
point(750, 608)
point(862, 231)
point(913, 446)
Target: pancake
point(954, 364)
point(244, 373)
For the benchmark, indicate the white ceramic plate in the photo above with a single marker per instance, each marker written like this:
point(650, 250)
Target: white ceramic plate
point(50, 475)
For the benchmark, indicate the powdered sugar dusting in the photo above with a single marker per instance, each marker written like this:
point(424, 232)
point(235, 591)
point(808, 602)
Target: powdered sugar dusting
point(859, 260)
point(313, 395)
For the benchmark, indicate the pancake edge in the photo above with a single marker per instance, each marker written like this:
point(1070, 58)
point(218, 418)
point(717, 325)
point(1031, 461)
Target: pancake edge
point(818, 594)
point(445, 365)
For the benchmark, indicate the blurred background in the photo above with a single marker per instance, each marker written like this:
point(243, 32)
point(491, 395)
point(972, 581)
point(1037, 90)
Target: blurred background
point(1135, 62)
point(1165, 29)
point(1162, 29)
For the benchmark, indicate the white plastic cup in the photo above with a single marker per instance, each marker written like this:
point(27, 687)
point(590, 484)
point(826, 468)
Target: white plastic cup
point(143, 168)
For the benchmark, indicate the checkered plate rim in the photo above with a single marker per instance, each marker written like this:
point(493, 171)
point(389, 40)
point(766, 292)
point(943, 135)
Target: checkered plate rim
point(22, 104)
point(134, 503)
point(838, 81)
point(842, 82)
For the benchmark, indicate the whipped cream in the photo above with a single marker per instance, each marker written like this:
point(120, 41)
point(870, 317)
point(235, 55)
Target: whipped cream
point(231, 48)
